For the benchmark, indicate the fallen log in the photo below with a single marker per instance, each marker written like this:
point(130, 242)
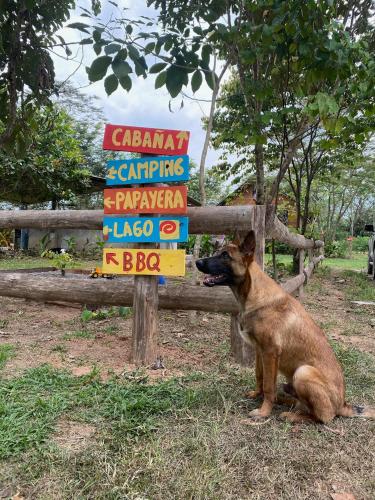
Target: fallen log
point(119, 292)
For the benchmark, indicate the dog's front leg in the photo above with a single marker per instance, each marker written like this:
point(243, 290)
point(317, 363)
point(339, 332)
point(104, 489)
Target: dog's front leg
point(270, 369)
point(258, 377)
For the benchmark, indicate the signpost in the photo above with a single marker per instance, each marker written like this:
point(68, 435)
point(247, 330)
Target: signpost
point(145, 229)
point(145, 140)
point(146, 200)
point(146, 170)
point(145, 264)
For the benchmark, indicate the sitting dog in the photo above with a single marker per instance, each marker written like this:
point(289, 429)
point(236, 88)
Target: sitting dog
point(285, 337)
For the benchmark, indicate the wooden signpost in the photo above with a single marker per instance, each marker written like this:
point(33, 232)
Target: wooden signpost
point(145, 264)
point(145, 229)
point(146, 170)
point(146, 200)
point(145, 140)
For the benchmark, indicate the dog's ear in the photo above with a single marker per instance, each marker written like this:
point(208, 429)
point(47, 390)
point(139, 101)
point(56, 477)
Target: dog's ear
point(236, 238)
point(247, 247)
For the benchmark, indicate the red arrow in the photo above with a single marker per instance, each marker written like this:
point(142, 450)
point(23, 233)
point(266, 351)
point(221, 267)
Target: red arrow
point(110, 257)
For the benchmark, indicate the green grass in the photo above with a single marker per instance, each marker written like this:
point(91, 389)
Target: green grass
point(358, 286)
point(7, 351)
point(27, 262)
point(357, 262)
point(79, 334)
point(181, 438)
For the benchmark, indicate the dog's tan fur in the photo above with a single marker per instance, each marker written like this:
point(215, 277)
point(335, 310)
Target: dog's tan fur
point(286, 340)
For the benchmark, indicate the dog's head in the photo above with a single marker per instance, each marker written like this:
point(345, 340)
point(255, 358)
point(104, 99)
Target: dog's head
point(229, 265)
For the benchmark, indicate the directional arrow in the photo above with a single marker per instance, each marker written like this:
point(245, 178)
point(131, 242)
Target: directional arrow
point(182, 136)
point(111, 173)
point(108, 202)
point(110, 257)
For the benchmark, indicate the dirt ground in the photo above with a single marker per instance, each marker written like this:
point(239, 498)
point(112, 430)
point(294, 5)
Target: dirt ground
point(48, 333)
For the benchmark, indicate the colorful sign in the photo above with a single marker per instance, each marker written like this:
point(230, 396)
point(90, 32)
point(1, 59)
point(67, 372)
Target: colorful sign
point(147, 200)
point(152, 262)
point(145, 229)
point(148, 169)
point(145, 140)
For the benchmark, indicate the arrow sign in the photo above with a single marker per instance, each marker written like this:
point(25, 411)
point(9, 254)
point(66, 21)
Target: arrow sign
point(145, 140)
point(152, 262)
point(110, 258)
point(146, 170)
point(145, 229)
point(147, 200)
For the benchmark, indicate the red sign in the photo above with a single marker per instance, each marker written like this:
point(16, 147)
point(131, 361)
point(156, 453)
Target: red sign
point(146, 140)
point(146, 200)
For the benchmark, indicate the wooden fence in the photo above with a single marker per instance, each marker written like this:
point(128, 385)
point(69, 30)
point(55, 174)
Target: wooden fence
point(202, 220)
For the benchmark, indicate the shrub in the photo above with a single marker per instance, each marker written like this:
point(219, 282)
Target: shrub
point(360, 244)
point(337, 249)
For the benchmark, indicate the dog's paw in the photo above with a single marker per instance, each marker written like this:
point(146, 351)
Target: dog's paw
point(259, 413)
point(253, 394)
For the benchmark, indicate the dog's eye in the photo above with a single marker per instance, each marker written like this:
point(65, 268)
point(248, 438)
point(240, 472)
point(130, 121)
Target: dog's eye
point(225, 255)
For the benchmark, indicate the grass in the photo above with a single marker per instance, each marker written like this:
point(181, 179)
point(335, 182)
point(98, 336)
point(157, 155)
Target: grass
point(7, 351)
point(181, 438)
point(357, 262)
point(79, 334)
point(29, 262)
point(358, 286)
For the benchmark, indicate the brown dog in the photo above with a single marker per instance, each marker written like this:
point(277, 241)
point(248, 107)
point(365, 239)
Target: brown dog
point(286, 339)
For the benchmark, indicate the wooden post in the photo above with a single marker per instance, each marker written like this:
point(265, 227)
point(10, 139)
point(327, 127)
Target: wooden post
point(145, 314)
point(301, 255)
point(243, 352)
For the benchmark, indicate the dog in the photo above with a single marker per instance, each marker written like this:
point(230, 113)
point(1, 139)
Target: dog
point(285, 337)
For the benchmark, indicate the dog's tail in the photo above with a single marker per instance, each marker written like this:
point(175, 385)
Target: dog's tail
point(356, 411)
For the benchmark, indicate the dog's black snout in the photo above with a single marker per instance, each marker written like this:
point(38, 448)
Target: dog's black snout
point(200, 264)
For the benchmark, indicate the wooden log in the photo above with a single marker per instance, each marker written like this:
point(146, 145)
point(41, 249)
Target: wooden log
point(293, 284)
point(202, 220)
point(279, 232)
point(116, 292)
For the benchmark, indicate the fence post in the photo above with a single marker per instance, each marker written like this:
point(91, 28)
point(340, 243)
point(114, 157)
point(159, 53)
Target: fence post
point(301, 255)
point(244, 353)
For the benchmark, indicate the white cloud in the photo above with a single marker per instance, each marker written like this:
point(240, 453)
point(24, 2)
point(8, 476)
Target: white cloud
point(143, 105)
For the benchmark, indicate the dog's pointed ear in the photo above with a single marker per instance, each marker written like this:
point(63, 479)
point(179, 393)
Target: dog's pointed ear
point(236, 238)
point(247, 247)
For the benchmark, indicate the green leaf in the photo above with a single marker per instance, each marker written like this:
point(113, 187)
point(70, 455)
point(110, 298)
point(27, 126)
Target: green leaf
point(133, 52)
point(129, 29)
point(110, 84)
point(121, 55)
point(160, 79)
point(121, 68)
point(125, 82)
point(98, 68)
point(112, 48)
point(196, 81)
point(140, 66)
point(86, 41)
point(149, 48)
point(79, 26)
point(176, 78)
point(156, 68)
point(206, 52)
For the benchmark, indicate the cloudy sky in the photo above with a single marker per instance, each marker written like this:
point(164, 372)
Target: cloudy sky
point(143, 105)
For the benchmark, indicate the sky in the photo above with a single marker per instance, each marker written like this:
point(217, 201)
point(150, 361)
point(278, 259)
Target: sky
point(143, 106)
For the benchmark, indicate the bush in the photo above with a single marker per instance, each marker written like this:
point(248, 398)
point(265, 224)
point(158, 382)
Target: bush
point(360, 244)
point(207, 246)
point(280, 248)
point(336, 249)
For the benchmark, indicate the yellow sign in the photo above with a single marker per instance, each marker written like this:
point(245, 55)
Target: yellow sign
point(152, 262)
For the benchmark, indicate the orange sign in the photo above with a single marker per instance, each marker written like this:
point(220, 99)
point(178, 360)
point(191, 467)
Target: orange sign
point(152, 262)
point(145, 140)
point(146, 200)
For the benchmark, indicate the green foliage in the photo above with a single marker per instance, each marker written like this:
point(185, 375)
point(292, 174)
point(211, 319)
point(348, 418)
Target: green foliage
point(59, 260)
point(336, 249)
point(43, 244)
point(27, 75)
point(122, 312)
point(52, 166)
point(207, 245)
point(360, 244)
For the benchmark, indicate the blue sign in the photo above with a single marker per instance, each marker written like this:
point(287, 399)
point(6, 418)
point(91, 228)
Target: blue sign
point(145, 229)
point(147, 170)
